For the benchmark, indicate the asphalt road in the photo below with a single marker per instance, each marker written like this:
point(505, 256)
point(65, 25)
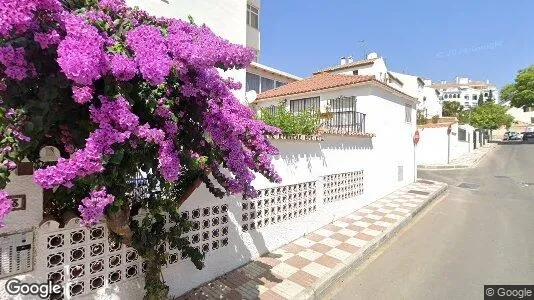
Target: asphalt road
point(465, 240)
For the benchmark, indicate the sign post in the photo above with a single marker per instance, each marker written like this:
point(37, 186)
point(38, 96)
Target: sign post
point(416, 138)
point(449, 130)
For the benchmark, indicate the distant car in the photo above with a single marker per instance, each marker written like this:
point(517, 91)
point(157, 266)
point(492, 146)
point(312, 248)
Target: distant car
point(512, 136)
point(527, 136)
point(516, 136)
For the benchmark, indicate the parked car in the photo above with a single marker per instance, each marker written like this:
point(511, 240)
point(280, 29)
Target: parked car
point(512, 136)
point(527, 136)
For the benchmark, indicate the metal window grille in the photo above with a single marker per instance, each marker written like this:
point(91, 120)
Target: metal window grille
point(462, 134)
point(408, 113)
point(344, 115)
point(299, 105)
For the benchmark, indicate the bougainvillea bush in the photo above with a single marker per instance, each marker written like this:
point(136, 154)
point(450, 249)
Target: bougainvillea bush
point(121, 93)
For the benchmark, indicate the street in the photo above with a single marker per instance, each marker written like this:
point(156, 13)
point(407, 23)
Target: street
point(480, 234)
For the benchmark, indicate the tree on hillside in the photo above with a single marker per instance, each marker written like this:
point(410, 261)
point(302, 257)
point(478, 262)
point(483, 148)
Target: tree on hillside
point(452, 108)
point(521, 92)
point(490, 96)
point(465, 116)
point(480, 99)
point(490, 116)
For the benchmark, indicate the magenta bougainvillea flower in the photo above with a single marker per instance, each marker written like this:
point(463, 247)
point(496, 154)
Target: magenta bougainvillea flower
point(6, 205)
point(118, 91)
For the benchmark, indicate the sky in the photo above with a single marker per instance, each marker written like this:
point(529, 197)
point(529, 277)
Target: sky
point(438, 40)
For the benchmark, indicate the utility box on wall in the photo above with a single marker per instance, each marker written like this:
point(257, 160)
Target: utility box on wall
point(16, 254)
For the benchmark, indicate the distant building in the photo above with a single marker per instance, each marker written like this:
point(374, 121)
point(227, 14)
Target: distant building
point(467, 91)
point(374, 65)
point(523, 115)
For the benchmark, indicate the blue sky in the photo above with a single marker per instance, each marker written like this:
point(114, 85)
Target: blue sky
point(434, 39)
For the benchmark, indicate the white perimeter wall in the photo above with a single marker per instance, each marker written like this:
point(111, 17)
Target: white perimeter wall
point(377, 159)
point(433, 144)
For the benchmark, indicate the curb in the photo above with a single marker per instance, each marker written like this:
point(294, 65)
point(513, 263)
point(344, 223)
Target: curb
point(357, 259)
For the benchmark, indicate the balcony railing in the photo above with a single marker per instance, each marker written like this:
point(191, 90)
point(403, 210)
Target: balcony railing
point(343, 116)
point(353, 122)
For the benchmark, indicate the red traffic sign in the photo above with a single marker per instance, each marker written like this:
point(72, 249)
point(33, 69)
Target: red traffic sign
point(416, 137)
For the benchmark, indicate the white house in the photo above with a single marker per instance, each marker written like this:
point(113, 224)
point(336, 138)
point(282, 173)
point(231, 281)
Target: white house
point(374, 65)
point(523, 115)
point(359, 105)
point(467, 91)
point(419, 88)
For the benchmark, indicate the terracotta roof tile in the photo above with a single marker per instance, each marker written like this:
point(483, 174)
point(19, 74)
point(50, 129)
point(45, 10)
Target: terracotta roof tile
point(315, 83)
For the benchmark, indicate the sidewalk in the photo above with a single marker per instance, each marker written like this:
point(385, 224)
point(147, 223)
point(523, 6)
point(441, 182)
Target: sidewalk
point(304, 268)
point(468, 160)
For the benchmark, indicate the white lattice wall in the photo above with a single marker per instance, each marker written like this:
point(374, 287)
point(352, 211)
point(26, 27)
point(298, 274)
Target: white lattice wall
point(342, 186)
point(278, 204)
point(84, 259)
point(209, 231)
point(87, 263)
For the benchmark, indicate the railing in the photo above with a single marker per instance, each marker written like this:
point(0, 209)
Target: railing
point(347, 122)
point(344, 117)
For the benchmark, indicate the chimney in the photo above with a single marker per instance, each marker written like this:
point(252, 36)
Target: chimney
point(350, 60)
point(487, 81)
point(343, 60)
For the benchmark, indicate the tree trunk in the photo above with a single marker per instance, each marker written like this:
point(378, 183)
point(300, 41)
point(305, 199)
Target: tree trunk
point(119, 223)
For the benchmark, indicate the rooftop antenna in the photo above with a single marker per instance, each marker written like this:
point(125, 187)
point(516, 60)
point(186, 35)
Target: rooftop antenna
point(364, 48)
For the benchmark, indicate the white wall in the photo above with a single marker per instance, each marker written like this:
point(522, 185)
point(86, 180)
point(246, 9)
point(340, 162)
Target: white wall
point(430, 103)
point(433, 144)
point(24, 220)
point(520, 115)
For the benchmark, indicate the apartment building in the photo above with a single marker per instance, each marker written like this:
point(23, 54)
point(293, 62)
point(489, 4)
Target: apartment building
point(238, 21)
point(466, 91)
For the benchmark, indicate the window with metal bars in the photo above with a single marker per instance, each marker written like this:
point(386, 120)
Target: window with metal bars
point(408, 113)
point(344, 115)
point(296, 106)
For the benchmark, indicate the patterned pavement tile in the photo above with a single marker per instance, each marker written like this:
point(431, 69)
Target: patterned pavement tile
point(321, 248)
point(316, 269)
point(284, 270)
point(314, 237)
point(339, 254)
point(330, 242)
point(288, 289)
point(328, 261)
point(287, 271)
point(302, 278)
point(297, 261)
point(309, 254)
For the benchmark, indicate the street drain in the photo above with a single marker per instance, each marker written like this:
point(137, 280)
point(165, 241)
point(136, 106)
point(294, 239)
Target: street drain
point(425, 181)
point(525, 184)
point(469, 186)
point(418, 192)
point(501, 176)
